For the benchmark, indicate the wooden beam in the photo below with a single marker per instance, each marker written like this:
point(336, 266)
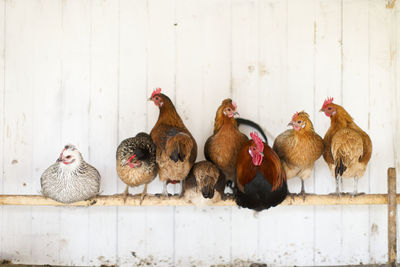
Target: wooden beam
point(392, 216)
point(152, 200)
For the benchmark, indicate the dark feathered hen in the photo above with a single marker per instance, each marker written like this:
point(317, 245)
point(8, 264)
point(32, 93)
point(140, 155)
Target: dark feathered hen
point(204, 184)
point(136, 162)
point(261, 180)
point(223, 146)
point(71, 178)
point(176, 149)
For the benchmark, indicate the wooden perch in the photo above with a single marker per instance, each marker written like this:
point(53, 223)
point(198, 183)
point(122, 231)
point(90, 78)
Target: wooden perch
point(152, 200)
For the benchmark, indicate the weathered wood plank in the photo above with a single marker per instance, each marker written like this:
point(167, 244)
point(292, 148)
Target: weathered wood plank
point(156, 200)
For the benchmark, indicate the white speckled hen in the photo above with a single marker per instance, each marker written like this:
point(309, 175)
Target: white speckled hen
point(136, 162)
point(70, 179)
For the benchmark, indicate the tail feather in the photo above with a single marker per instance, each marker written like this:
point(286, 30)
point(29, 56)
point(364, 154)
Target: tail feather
point(340, 167)
point(254, 125)
point(179, 147)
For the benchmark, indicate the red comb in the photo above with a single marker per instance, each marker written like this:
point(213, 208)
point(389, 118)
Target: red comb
point(328, 101)
point(156, 92)
point(294, 116)
point(257, 140)
point(234, 105)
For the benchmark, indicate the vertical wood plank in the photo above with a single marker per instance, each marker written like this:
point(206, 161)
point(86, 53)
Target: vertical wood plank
point(356, 102)
point(46, 130)
point(2, 107)
point(19, 85)
point(396, 93)
point(328, 76)
point(272, 67)
point(161, 47)
point(392, 217)
point(202, 28)
point(133, 28)
point(245, 93)
point(380, 126)
point(299, 56)
point(75, 84)
point(103, 124)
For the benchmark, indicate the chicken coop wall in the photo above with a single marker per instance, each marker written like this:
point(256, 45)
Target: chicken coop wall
point(80, 72)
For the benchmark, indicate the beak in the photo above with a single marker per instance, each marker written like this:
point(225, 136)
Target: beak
point(290, 124)
point(321, 110)
point(59, 159)
point(236, 113)
point(262, 154)
point(149, 99)
point(130, 159)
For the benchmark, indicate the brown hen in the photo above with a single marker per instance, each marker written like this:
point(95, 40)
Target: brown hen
point(348, 149)
point(176, 149)
point(224, 145)
point(299, 148)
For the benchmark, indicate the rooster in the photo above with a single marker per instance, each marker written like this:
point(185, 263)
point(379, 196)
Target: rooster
point(70, 179)
point(176, 149)
point(261, 179)
point(223, 146)
point(348, 149)
point(204, 184)
point(299, 148)
point(136, 162)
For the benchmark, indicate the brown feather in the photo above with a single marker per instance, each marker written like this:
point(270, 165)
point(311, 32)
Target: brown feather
point(298, 150)
point(347, 141)
point(170, 122)
point(223, 147)
point(270, 167)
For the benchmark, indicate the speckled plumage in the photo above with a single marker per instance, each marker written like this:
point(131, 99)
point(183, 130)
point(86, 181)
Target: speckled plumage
point(71, 182)
point(147, 171)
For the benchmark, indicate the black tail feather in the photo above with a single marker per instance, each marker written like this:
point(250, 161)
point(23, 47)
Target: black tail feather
point(254, 125)
point(340, 168)
point(177, 154)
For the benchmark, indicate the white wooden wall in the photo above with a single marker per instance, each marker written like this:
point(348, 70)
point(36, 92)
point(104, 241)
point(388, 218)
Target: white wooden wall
point(80, 72)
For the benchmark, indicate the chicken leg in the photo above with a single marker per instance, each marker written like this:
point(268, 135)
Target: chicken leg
point(302, 191)
point(143, 194)
point(165, 191)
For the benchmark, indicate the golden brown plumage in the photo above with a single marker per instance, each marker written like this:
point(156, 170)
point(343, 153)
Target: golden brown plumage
point(348, 149)
point(299, 148)
point(223, 146)
point(261, 179)
point(176, 149)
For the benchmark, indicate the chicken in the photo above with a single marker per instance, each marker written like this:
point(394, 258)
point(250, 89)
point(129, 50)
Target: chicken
point(348, 149)
point(204, 185)
point(299, 148)
point(223, 146)
point(261, 179)
point(70, 179)
point(176, 149)
point(136, 162)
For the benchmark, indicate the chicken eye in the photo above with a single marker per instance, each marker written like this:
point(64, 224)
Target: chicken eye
point(298, 121)
point(229, 110)
point(329, 108)
point(156, 98)
point(68, 157)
